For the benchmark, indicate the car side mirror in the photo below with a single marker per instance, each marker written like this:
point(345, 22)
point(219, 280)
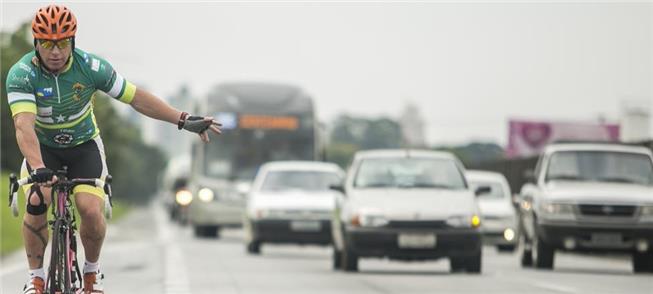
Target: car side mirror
point(529, 176)
point(516, 200)
point(482, 190)
point(338, 187)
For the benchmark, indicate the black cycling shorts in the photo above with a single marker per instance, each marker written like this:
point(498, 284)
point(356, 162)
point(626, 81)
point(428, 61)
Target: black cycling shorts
point(86, 161)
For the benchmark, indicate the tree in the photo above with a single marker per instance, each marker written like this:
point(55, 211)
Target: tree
point(350, 134)
point(12, 47)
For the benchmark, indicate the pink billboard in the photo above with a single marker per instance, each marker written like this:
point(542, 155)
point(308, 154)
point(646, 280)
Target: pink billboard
point(528, 138)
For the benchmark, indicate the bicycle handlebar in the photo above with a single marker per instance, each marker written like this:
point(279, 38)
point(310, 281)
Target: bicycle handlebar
point(15, 184)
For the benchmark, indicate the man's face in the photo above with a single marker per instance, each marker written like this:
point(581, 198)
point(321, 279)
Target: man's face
point(54, 53)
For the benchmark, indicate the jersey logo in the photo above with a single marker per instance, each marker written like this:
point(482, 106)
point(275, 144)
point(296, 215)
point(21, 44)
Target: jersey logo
point(44, 111)
point(77, 87)
point(95, 65)
point(44, 92)
point(63, 139)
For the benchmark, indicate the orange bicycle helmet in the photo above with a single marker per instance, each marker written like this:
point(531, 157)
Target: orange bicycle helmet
point(54, 22)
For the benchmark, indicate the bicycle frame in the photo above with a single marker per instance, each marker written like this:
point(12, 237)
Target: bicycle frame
point(61, 272)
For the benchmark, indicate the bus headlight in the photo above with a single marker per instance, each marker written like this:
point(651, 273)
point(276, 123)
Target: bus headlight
point(183, 197)
point(206, 194)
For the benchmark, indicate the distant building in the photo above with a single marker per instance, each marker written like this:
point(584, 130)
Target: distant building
point(412, 126)
point(635, 121)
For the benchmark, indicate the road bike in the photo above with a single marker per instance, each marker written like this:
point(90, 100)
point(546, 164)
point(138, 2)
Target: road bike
point(64, 275)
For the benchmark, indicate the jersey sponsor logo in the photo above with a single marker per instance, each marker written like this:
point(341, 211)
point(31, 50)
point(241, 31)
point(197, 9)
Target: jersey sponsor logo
point(27, 68)
point(77, 87)
point(86, 57)
point(95, 64)
point(44, 92)
point(19, 79)
point(63, 139)
point(44, 111)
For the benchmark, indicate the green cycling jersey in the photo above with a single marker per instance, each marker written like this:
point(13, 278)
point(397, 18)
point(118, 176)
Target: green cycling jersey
point(63, 103)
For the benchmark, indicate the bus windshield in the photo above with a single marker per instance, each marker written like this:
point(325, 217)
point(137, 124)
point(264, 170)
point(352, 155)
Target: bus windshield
point(237, 155)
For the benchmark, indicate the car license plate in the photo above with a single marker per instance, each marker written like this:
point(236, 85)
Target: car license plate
point(606, 239)
point(305, 226)
point(416, 240)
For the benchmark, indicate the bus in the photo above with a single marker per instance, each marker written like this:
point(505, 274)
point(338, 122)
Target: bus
point(261, 122)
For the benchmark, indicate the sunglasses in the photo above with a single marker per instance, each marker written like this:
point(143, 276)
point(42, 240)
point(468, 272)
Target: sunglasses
point(61, 44)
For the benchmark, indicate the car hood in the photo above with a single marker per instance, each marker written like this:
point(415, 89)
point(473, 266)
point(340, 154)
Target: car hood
point(411, 204)
point(496, 207)
point(587, 192)
point(292, 200)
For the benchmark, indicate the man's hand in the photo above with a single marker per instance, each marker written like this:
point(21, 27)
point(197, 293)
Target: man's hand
point(43, 176)
point(200, 125)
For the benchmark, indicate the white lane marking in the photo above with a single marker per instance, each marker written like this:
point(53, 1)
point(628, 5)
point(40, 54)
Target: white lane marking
point(557, 288)
point(176, 275)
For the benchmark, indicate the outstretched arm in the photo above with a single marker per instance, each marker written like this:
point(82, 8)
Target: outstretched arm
point(151, 106)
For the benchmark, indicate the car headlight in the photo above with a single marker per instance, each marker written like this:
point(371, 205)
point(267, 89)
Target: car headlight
point(369, 218)
point(184, 197)
point(205, 194)
point(646, 211)
point(557, 210)
point(464, 221)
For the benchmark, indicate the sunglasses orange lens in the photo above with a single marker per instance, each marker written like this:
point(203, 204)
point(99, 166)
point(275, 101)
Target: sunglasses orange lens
point(49, 44)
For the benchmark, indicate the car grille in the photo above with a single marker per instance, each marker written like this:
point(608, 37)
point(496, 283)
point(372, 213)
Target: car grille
point(417, 224)
point(607, 210)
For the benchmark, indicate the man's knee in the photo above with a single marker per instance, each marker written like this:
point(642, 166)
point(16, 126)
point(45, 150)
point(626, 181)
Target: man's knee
point(36, 201)
point(89, 206)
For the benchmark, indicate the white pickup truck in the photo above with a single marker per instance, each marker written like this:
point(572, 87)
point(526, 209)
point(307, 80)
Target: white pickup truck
point(589, 197)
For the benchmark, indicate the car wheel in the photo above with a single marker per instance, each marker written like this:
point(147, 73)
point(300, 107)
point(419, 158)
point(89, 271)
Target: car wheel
point(543, 254)
point(473, 263)
point(643, 262)
point(199, 231)
point(254, 247)
point(506, 248)
point(349, 260)
point(525, 252)
point(336, 258)
point(457, 264)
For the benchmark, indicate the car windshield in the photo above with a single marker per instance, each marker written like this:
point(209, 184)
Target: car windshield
point(301, 180)
point(409, 173)
point(600, 166)
point(496, 189)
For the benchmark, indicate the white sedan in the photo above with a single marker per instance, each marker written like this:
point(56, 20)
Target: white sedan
point(500, 221)
point(290, 202)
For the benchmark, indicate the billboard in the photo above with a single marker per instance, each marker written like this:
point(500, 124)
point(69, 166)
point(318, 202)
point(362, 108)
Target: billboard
point(528, 138)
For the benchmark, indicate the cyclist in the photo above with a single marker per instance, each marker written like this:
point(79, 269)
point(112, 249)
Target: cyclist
point(50, 93)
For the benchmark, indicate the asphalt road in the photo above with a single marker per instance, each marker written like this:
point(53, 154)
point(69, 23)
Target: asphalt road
point(145, 253)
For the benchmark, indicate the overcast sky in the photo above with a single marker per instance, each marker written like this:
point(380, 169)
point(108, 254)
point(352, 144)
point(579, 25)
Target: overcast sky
point(470, 67)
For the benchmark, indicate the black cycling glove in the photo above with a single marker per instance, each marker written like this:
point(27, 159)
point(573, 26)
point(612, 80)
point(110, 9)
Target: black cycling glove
point(195, 124)
point(42, 175)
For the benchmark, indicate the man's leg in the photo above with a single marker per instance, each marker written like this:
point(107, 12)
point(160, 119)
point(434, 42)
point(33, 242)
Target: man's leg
point(35, 228)
point(93, 227)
